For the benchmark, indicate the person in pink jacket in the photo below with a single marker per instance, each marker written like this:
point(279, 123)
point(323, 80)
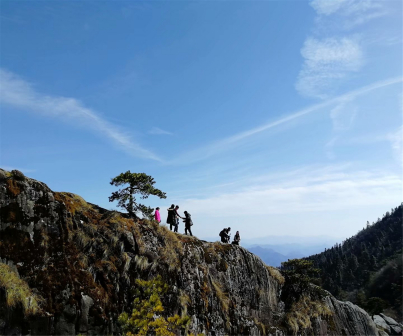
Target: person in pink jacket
point(157, 215)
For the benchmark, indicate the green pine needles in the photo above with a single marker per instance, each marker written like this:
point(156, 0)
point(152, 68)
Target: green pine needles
point(146, 317)
point(138, 183)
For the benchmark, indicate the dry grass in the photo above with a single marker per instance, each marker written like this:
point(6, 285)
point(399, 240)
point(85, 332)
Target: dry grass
point(275, 273)
point(83, 260)
point(141, 262)
point(184, 301)
point(73, 202)
point(172, 249)
point(18, 291)
point(301, 312)
point(261, 326)
point(222, 297)
point(81, 239)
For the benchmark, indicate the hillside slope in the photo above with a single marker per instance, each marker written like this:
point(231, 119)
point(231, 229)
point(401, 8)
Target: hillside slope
point(69, 267)
point(367, 268)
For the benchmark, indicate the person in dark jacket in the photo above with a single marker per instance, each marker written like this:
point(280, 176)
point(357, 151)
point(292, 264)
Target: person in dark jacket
point(171, 219)
point(188, 223)
point(237, 238)
point(225, 235)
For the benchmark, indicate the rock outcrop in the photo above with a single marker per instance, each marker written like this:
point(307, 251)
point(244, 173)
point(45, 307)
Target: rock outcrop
point(79, 263)
point(387, 325)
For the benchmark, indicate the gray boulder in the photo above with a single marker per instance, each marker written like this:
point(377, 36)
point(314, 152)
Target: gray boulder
point(381, 323)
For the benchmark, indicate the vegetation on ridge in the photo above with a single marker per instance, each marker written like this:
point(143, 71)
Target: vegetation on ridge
point(18, 292)
point(366, 269)
point(303, 299)
point(146, 317)
point(139, 183)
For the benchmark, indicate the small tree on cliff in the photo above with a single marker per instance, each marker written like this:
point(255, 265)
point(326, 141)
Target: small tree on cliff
point(146, 317)
point(138, 183)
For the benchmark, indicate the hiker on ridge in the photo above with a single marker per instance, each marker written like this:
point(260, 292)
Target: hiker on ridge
point(188, 223)
point(228, 235)
point(224, 234)
point(237, 238)
point(171, 219)
point(157, 215)
point(176, 220)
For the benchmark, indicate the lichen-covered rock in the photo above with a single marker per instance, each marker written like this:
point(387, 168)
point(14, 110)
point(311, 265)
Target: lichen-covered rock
point(83, 260)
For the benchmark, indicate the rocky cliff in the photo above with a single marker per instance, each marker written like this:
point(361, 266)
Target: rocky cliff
point(68, 266)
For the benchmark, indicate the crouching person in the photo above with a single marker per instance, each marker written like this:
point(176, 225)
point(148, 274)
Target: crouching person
point(237, 238)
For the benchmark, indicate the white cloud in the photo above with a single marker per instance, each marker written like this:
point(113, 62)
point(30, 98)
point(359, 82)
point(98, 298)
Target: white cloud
point(396, 141)
point(343, 116)
point(353, 12)
point(332, 200)
point(326, 62)
point(19, 93)
point(159, 131)
point(315, 191)
point(326, 7)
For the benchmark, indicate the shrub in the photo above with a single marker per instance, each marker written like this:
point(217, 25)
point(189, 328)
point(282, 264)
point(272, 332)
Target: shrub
point(146, 317)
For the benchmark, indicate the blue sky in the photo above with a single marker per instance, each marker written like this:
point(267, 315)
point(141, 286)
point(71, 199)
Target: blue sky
point(272, 117)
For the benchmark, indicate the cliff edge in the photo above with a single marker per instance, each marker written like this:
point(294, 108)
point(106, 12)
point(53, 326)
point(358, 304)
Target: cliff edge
point(68, 267)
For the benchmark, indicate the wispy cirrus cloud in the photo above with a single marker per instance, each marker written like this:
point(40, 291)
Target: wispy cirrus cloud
point(227, 143)
point(396, 141)
point(326, 62)
point(353, 12)
point(159, 131)
point(18, 93)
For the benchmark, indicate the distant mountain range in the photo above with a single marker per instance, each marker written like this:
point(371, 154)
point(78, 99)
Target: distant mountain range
point(274, 255)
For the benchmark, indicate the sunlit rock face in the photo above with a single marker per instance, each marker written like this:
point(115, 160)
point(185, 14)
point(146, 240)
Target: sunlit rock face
point(79, 263)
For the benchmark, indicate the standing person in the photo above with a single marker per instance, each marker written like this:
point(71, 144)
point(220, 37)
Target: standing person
point(157, 215)
point(171, 219)
point(188, 223)
point(228, 237)
point(176, 219)
point(237, 238)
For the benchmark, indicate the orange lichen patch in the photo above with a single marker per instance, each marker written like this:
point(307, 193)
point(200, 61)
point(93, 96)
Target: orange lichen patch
point(72, 202)
point(13, 187)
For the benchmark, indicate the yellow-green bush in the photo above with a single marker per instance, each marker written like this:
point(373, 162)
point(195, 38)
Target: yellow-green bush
point(18, 291)
point(146, 317)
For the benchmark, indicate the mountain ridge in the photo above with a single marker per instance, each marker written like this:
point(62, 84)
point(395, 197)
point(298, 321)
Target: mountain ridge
point(79, 263)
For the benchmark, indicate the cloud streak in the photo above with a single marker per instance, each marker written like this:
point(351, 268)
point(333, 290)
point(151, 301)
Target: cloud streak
point(315, 191)
point(18, 93)
point(159, 131)
point(225, 144)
